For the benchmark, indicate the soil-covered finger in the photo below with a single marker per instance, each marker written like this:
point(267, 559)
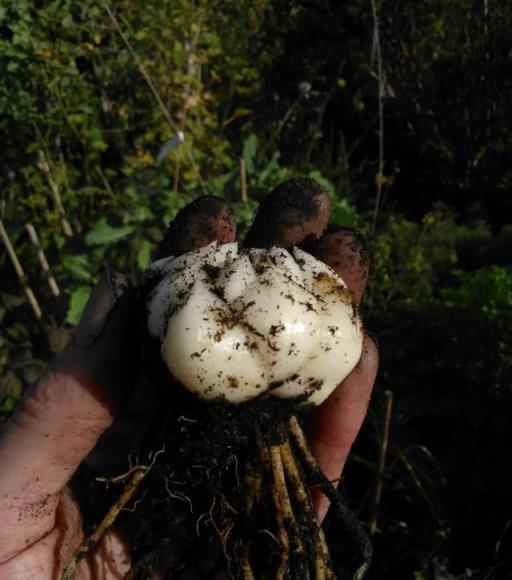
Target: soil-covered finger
point(346, 251)
point(334, 425)
point(294, 213)
point(201, 222)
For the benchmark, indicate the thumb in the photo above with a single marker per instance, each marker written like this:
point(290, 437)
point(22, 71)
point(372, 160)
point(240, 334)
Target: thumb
point(102, 355)
point(62, 416)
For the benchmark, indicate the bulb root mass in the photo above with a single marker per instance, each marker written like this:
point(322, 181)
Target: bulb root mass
point(228, 496)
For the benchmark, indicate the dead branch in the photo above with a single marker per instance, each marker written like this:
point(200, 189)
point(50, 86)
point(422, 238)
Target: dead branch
point(34, 304)
point(41, 256)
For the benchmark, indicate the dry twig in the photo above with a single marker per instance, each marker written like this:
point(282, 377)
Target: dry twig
point(243, 181)
point(381, 94)
point(152, 88)
point(382, 461)
point(45, 267)
point(34, 304)
point(44, 165)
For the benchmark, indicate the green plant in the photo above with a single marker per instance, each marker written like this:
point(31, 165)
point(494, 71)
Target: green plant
point(487, 291)
point(409, 258)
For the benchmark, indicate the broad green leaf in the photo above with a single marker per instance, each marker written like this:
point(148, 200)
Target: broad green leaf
point(77, 303)
point(325, 183)
point(142, 214)
point(144, 254)
point(249, 151)
point(103, 233)
point(244, 212)
point(96, 138)
point(131, 192)
point(342, 214)
point(78, 267)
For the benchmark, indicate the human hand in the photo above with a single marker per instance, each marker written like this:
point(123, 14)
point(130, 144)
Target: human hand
point(63, 415)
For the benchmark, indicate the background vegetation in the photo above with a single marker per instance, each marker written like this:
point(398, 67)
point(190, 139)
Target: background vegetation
point(400, 109)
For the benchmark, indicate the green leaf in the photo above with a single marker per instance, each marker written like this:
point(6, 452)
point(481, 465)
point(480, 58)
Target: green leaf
point(10, 385)
point(249, 151)
point(77, 303)
point(144, 254)
point(103, 233)
point(6, 406)
point(142, 214)
point(67, 22)
point(131, 192)
point(342, 214)
point(244, 212)
point(78, 267)
point(96, 137)
point(325, 183)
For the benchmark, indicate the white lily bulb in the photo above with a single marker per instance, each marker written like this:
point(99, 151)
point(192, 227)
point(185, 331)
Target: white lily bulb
point(235, 323)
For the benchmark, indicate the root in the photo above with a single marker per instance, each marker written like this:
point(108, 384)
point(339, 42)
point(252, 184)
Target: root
point(247, 572)
point(349, 519)
point(252, 485)
point(92, 541)
point(322, 567)
point(298, 553)
point(282, 534)
point(304, 551)
point(261, 525)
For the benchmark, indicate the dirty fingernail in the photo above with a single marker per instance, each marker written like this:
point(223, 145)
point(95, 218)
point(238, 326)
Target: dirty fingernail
point(110, 287)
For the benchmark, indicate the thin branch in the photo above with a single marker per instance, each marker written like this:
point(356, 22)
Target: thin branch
point(243, 181)
point(44, 165)
point(382, 461)
point(140, 66)
point(247, 573)
point(36, 309)
point(376, 48)
point(41, 256)
point(151, 85)
point(191, 48)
